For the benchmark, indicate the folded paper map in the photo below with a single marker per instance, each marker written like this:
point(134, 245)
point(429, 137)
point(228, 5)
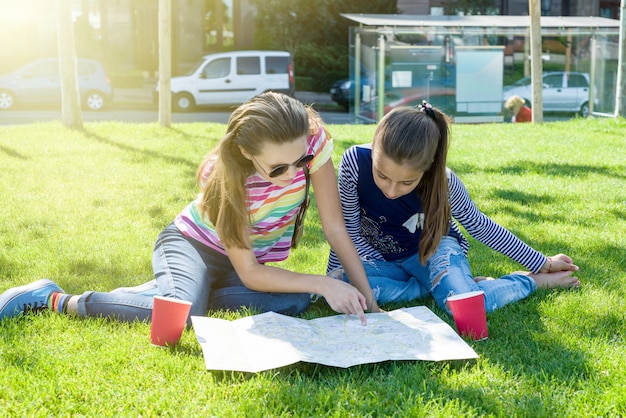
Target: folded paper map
point(271, 340)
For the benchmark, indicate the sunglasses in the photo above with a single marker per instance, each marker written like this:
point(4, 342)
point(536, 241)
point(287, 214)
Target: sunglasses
point(281, 169)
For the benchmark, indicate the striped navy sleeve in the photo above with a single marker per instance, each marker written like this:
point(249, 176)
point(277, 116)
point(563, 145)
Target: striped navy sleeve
point(488, 232)
point(348, 177)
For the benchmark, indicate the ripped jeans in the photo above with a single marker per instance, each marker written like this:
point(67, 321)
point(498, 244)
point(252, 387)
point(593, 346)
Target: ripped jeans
point(445, 274)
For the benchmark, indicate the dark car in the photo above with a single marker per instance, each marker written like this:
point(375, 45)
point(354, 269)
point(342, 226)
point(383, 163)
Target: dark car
point(342, 93)
point(39, 83)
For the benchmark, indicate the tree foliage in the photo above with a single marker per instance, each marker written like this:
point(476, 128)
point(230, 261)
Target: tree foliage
point(314, 33)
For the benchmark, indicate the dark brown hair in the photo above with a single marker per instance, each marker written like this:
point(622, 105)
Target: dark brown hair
point(419, 137)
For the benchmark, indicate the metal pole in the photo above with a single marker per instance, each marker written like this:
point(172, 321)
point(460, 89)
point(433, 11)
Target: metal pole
point(381, 77)
point(620, 85)
point(592, 73)
point(357, 74)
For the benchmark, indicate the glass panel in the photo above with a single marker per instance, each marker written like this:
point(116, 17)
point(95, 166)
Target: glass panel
point(576, 80)
point(45, 69)
point(422, 62)
point(86, 68)
point(217, 68)
point(553, 81)
point(277, 65)
point(248, 65)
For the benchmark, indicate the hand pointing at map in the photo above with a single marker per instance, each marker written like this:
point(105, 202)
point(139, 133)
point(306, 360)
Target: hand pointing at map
point(344, 298)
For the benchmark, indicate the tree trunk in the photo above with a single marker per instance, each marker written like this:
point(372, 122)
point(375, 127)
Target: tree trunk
point(165, 62)
point(70, 95)
point(536, 71)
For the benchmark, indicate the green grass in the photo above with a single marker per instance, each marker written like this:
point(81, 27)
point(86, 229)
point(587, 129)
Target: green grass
point(84, 208)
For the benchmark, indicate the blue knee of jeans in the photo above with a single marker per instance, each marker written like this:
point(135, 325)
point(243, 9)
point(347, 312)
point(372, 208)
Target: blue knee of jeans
point(392, 282)
point(449, 272)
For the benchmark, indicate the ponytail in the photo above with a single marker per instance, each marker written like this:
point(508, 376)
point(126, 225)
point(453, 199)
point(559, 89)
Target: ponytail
point(434, 191)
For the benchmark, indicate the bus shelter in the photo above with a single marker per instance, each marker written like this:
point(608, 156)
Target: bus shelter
point(465, 65)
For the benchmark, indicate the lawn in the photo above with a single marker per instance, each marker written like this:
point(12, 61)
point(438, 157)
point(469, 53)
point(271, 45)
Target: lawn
point(84, 209)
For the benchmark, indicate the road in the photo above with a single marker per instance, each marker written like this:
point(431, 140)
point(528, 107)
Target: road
point(20, 117)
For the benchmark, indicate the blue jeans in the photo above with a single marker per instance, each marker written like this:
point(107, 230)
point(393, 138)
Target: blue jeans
point(188, 270)
point(445, 274)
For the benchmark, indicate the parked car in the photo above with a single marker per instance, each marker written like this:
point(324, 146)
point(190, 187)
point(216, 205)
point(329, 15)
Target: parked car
point(39, 83)
point(232, 78)
point(562, 92)
point(342, 92)
point(443, 98)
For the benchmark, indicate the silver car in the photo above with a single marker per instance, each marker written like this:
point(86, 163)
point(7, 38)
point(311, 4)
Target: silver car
point(562, 92)
point(39, 83)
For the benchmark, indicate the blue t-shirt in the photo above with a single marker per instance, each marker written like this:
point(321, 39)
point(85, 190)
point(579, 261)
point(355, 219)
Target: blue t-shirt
point(393, 227)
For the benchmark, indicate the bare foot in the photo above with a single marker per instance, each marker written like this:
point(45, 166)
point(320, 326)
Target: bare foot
point(558, 279)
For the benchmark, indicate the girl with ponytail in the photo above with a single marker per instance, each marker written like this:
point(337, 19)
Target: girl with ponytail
point(403, 207)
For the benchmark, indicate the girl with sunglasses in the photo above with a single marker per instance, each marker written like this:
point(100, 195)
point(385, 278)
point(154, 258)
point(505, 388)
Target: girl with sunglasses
point(403, 208)
point(214, 253)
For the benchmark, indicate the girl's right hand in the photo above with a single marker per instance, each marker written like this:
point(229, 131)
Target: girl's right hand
point(344, 298)
point(559, 262)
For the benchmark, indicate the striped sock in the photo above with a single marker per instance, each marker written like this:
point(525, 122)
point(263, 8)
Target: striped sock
point(57, 302)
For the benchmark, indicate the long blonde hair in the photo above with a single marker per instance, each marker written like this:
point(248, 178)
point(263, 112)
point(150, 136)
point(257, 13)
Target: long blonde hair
point(419, 137)
point(268, 117)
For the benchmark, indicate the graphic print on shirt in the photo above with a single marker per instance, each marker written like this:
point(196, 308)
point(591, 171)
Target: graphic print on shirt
point(413, 222)
point(372, 233)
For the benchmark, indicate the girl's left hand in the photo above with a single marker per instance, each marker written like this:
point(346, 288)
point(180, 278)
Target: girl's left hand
point(374, 308)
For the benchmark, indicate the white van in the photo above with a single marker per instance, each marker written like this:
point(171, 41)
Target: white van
point(232, 78)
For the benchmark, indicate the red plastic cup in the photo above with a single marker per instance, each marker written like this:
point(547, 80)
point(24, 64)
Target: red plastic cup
point(468, 311)
point(169, 317)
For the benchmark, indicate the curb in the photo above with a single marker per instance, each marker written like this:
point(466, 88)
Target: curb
point(144, 95)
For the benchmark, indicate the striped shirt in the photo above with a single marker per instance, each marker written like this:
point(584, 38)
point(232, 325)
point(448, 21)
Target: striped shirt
point(384, 229)
point(272, 209)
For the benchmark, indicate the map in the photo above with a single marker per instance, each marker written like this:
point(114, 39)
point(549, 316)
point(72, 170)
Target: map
point(270, 340)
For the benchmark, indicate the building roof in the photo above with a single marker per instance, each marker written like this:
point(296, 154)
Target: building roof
point(557, 22)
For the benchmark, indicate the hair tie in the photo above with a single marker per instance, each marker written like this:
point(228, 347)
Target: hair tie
point(427, 108)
